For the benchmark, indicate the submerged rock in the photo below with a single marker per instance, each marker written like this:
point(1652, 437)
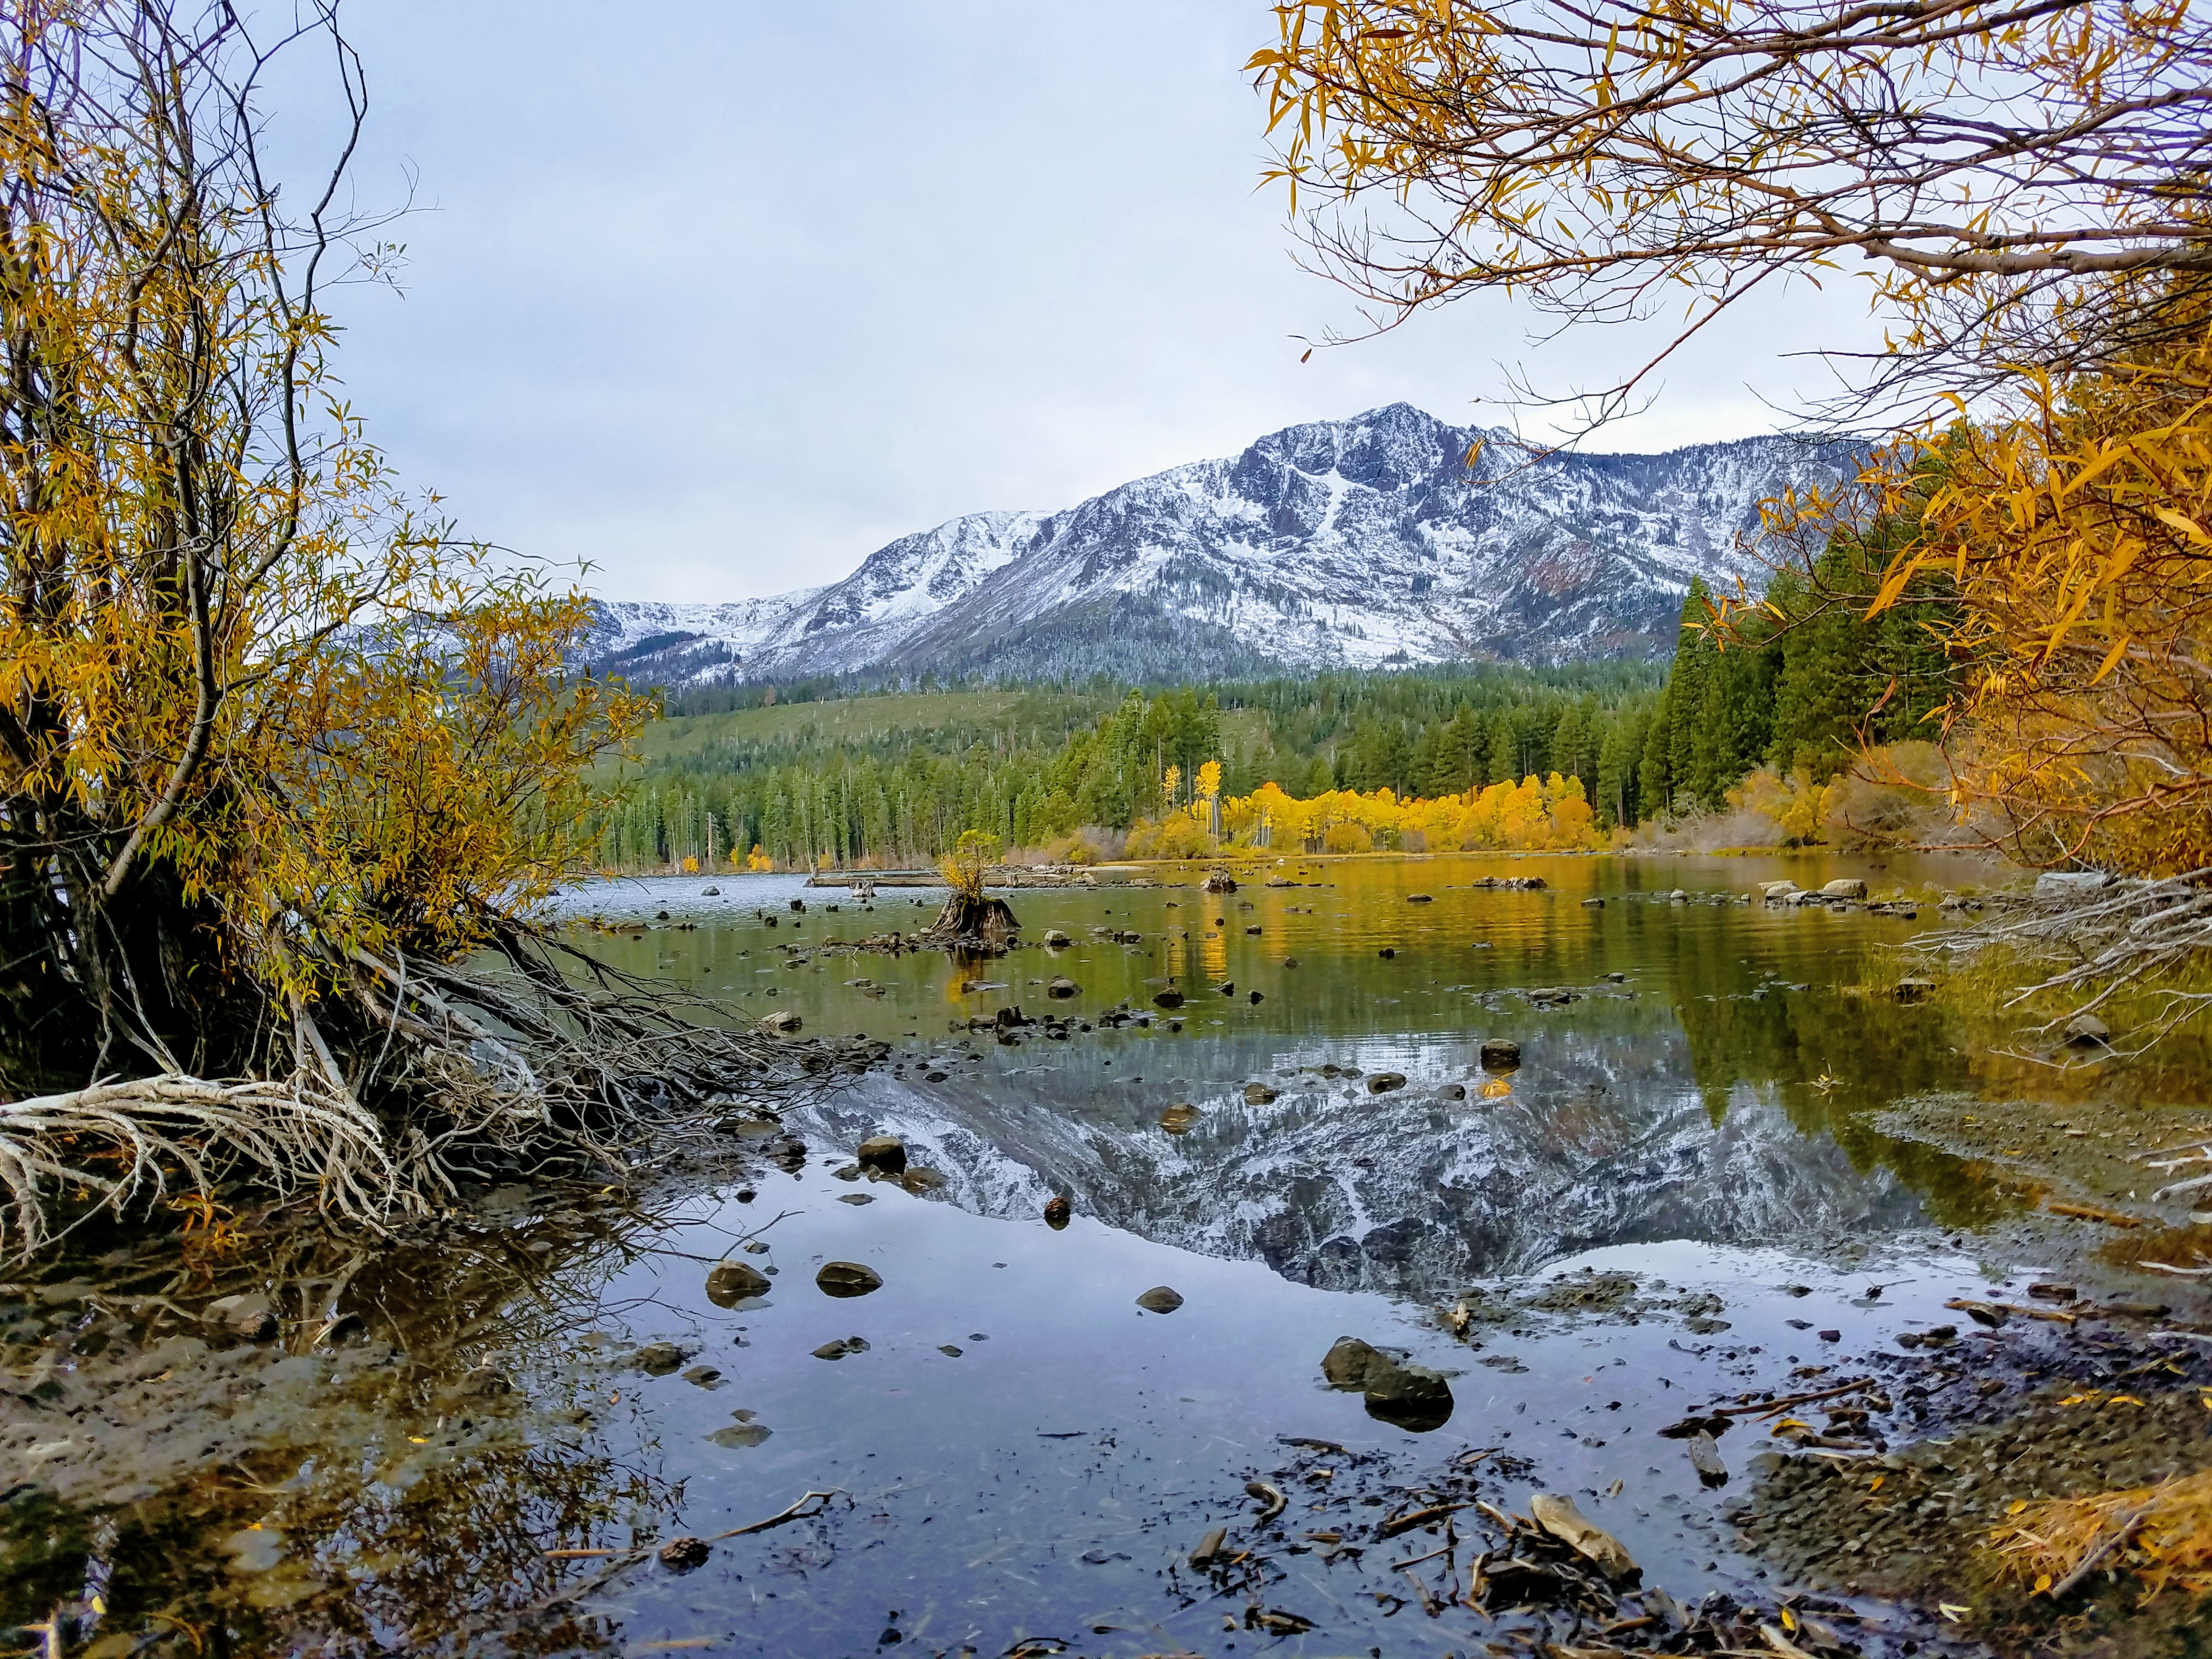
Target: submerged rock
point(683, 1554)
point(1160, 1299)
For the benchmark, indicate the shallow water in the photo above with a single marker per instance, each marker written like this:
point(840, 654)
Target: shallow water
point(1673, 1196)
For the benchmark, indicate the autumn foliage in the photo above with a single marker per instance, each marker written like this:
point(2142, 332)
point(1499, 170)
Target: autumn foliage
point(259, 712)
point(1536, 814)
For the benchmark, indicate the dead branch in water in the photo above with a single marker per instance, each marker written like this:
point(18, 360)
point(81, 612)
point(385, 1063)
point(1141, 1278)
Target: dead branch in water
point(2127, 937)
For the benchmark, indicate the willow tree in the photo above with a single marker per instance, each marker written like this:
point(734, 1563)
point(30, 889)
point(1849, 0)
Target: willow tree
point(1992, 165)
point(277, 753)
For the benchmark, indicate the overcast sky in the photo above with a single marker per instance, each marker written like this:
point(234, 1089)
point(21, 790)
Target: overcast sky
point(723, 296)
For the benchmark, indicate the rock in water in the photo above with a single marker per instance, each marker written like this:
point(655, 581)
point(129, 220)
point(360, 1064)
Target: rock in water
point(884, 1152)
point(1345, 1365)
point(1177, 1120)
point(2087, 1032)
point(683, 1554)
point(1220, 881)
point(1255, 997)
point(1912, 990)
point(1500, 1054)
point(1160, 1300)
point(783, 1020)
point(1408, 1396)
point(1557, 1515)
point(729, 1283)
point(1058, 1213)
point(1705, 1458)
point(658, 1359)
point(1063, 989)
point(1382, 1083)
point(1844, 888)
point(844, 1278)
point(1258, 1094)
point(1168, 999)
point(1056, 940)
point(1419, 898)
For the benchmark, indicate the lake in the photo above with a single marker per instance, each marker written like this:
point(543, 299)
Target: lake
point(1679, 1192)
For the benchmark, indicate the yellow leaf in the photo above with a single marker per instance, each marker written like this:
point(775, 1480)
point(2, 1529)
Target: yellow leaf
point(2016, 1506)
point(2042, 1582)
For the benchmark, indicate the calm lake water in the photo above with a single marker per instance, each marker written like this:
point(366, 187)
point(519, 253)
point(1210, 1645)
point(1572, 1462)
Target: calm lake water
point(1018, 1452)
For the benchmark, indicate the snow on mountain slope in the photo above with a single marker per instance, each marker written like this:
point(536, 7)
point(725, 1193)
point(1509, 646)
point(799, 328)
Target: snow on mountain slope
point(1352, 543)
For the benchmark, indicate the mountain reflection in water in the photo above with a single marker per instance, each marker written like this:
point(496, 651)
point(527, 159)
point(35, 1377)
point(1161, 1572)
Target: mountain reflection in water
point(1721, 1088)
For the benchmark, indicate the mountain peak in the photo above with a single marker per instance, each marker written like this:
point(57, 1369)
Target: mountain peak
point(1330, 543)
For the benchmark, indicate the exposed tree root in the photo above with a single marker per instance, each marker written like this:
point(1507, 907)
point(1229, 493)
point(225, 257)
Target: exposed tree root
point(409, 1080)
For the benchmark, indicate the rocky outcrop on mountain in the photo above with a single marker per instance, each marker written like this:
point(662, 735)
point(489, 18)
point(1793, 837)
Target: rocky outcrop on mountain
point(1364, 543)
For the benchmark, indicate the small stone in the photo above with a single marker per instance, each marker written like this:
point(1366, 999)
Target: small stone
point(683, 1554)
point(848, 1278)
point(1063, 989)
point(1593, 904)
point(1290, 962)
point(729, 1283)
point(1419, 898)
point(858, 1198)
point(1388, 952)
point(1168, 999)
point(1255, 998)
point(739, 1435)
point(657, 1359)
point(831, 1351)
point(783, 1020)
point(703, 1376)
point(1258, 1094)
point(921, 1178)
point(1159, 1300)
point(710, 892)
point(884, 1152)
point(1500, 1054)
point(1382, 1083)
point(1056, 940)
point(1177, 1119)
point(1058, 1213)
point(1912, 990)
point(950, 1350)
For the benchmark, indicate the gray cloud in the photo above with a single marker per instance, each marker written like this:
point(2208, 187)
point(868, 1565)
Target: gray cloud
point(722, 296)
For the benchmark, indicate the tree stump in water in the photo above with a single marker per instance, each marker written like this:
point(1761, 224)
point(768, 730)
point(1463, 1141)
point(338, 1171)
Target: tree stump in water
point(974, 920)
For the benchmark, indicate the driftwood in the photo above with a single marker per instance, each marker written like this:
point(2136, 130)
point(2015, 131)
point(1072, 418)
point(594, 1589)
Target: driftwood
point(974, 922)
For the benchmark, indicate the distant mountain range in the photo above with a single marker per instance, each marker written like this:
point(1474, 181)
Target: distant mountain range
point(1354, 543)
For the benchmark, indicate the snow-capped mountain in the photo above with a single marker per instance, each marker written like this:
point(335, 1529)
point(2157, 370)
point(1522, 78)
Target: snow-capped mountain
point(1350, 544)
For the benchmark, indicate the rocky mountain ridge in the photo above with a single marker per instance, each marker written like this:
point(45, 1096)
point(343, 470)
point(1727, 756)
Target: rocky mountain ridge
point(1357, 544)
